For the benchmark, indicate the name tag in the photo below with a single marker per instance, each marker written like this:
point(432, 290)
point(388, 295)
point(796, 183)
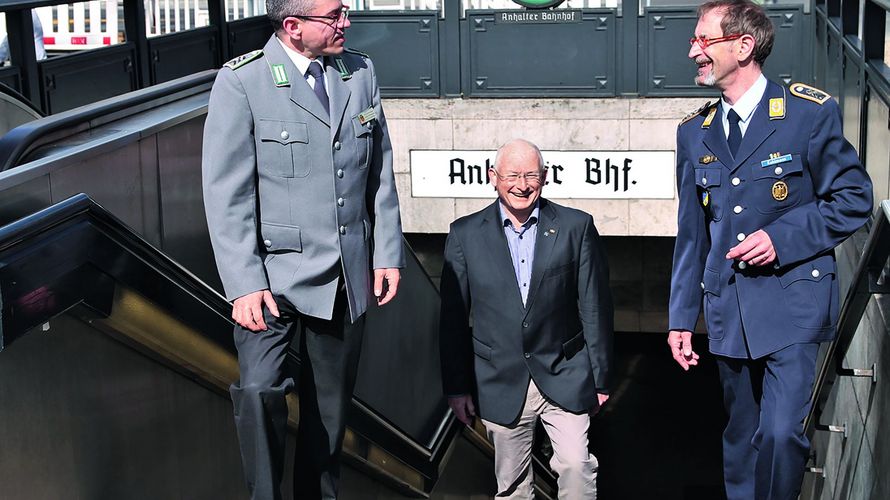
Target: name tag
point(773, 161)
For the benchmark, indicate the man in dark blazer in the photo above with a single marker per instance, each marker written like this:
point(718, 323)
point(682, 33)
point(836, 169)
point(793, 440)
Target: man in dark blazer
point(768, 186)
point(301, 205)
point(532, 278)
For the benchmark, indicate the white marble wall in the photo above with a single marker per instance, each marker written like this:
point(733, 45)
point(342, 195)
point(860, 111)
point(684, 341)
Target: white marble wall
point(558, 124)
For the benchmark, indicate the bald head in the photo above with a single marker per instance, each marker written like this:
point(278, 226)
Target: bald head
point(517, 152)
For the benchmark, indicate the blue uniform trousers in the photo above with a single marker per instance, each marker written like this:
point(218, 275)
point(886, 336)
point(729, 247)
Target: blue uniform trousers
point(764, 447)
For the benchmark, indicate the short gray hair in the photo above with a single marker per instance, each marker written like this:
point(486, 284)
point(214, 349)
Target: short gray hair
point(278, 10)
point(514, 142)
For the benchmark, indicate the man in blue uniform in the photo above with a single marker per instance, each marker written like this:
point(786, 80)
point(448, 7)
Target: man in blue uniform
point(768, 187)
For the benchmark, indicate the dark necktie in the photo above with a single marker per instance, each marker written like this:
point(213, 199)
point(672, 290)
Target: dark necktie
point(735, 133)
point(317, 73)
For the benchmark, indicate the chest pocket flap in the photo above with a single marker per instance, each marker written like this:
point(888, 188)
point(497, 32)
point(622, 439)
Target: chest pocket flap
point(707, 177)
point(282, 132)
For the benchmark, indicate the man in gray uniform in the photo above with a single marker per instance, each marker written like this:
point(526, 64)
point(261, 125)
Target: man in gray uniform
point(301, 205)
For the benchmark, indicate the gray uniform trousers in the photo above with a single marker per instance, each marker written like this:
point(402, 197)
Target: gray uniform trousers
point(329, 355)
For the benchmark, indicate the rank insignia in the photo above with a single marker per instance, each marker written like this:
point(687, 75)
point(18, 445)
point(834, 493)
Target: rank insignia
point(705, 198)
point(704, 160)
point(780, 191)
point(243, 59)
point(777, 108)
point(696, 113)
point(367, 115)
point(710, 118)
point(809, 93)
point(279, 75)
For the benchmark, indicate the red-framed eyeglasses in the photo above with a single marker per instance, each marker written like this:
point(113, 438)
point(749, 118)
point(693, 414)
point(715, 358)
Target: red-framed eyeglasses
point(704, 41)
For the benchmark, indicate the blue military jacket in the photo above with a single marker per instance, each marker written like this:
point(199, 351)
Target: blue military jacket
point(795, 177)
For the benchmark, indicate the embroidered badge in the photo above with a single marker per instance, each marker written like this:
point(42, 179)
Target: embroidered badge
point(279, 75)
point(780, 191)
point(777, 108)
point(705, 198)
point(706, 159)
point(710, 118)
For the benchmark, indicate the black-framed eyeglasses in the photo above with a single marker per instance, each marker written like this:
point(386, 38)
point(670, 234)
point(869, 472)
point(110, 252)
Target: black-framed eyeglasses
point(332, 19)
point(704, 41)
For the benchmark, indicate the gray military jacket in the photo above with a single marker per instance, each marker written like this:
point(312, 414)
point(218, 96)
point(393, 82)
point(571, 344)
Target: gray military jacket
point(293, 196)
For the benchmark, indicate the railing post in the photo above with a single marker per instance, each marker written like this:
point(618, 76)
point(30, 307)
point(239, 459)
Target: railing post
point(20, 33)
point(628, 50)
point(134, 25)
point(450, 50)
point(216, 10)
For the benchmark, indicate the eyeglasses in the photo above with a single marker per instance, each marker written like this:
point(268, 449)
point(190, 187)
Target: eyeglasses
point(513, 178)
point(704, 41)
point(332, 19)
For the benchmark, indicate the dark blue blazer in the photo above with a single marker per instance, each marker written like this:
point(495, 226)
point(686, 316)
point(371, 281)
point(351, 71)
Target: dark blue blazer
point(561, 338)
point(795, 177)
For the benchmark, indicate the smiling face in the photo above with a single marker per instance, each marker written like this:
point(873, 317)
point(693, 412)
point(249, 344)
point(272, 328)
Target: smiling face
point(517, 193)
point(717, 64)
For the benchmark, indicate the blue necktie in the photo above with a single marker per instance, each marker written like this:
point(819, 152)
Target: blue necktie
point(317, 73)
point(735, 133)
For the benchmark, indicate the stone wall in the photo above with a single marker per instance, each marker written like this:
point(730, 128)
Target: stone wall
point(557, 124)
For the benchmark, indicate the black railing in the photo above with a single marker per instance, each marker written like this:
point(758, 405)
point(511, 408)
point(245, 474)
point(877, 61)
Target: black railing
point(870, 278)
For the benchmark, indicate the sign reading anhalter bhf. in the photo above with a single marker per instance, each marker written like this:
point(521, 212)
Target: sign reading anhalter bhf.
point(571, 174)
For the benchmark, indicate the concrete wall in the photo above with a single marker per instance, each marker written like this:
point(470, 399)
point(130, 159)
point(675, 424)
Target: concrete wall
point(556, 124)
point(856, 467)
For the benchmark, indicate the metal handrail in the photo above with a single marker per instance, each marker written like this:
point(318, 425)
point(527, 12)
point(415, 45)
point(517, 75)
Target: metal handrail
point(868, 279)
point(18, 142)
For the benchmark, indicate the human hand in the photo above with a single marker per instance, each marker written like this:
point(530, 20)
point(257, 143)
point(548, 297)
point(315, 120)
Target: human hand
point(601, 400)
point(392, 277)
point(681, 347)
point(247, 310)
point(756, 249)
point(463, 408)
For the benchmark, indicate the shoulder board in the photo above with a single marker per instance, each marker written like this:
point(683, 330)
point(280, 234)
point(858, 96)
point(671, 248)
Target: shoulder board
point(350, 49)
point(697, 112)
point(804, 91)
point(243, 59)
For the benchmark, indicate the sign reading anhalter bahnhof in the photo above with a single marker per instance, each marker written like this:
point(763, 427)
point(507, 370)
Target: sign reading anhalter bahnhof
point(570, 174)
point(535, 13)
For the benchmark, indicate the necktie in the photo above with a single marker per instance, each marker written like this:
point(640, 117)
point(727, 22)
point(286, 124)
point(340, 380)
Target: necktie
point(317, 73)
point(735, 133)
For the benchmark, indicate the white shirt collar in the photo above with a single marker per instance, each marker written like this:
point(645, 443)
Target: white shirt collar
point(745, 106)
point(300, 61)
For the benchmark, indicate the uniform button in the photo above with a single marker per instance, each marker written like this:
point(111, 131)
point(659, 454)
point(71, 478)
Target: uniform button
point(778, 170)
point(702, 285)
point(337, 145)
point(815, 273)
point(704, 180)
point(740, 237)
point(736, 181)
point(268, 243)
point(525, 324)
point(284, 134)
point(776, 265)
point(340, 173)
point(742, 264)
point(342, 229)
point(737, 209)
point(527, 355)
point(340, 201)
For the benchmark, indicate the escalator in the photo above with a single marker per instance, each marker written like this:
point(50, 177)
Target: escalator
point(115, 345)
point(15, 110)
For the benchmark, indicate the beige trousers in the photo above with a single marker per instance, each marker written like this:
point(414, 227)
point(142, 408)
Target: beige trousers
point(572, 462)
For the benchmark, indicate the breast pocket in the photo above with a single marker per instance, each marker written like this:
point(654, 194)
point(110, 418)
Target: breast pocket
point(777, 186)
point(284, 148)
point(363, 139)
point(708, 181)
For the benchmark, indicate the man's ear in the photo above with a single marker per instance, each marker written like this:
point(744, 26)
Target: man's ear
point(292, 27)
point(745, 46)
